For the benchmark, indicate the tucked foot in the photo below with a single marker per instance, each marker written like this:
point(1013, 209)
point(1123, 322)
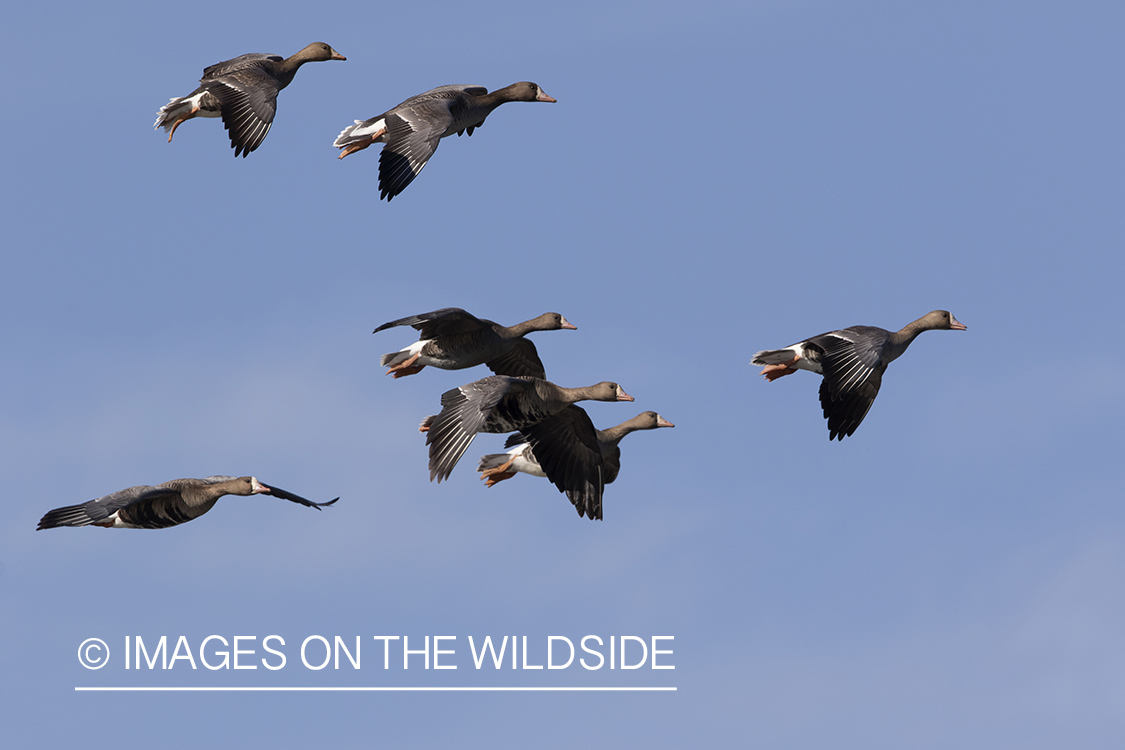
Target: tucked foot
point(404, 368)
point(773, 372)
point(498, 478)
point(497, 473)
point(404, 371)
point(351, 148)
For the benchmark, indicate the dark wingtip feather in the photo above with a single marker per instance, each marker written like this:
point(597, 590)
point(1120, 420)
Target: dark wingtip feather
point(71, 515)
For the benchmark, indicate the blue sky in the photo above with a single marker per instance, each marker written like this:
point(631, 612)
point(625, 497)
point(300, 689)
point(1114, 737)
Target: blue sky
point(716, 178)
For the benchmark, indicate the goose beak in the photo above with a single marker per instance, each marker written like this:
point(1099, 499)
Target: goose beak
point(544, 98)
point(257, 488)
point(568, 326)
point(956, 325)
point(623, 396)
point(662, 422)
point(337, 56)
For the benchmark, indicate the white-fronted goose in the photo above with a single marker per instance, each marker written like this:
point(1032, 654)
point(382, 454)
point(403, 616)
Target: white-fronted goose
point(579, 459)
point(852, 362)
point(168, 504)
point(499, 403)
point(452, 339)
point(242, 91)
point(412, 129)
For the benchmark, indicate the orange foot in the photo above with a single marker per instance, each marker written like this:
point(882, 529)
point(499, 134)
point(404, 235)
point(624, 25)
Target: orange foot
point(497, 473)
point(498, 478)
point(180, 120)
point(773, 372)
point(402, 369)
point(360, 145)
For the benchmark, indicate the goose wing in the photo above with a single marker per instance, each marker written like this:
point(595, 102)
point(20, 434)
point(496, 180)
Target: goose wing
point(149, 504)
point(465, 411)
point(521, 360)
point(566, 446)
point(248, 98)
point(286, 495)
point(852, 361)
point(448, 321)
point(414, 129)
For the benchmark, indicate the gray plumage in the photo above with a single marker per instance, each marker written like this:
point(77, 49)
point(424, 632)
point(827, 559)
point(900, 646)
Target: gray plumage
point(168, 504)
point(852, 361)
point(577, 459)
point(499, 403)
point(243, 91)
point(413, 129)
point(453, 339)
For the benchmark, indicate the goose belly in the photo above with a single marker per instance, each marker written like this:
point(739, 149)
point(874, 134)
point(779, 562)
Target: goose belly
point(523, 460)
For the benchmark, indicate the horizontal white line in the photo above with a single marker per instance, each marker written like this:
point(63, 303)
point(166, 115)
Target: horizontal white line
point(387, 689)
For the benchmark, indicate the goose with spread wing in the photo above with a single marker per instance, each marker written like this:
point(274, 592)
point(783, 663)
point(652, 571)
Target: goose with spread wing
point(242, 91)
point(578, 459)
point(852, 361)
point(412, 130)
point(452, 339)
point(168, 504)
point(499, 403)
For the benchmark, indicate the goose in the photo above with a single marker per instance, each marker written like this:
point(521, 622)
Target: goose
point(574, 453)
point(499, 403)
point(412, 129)
point(242, 91)
point(168, 504)
point(452, 339)
point(852, 361)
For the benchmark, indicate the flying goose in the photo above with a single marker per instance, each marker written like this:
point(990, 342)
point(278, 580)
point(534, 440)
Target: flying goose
point(852, 361)
point(242, 91)
point(412, 129)
point(499, 403)
point(452, 339)
point(168, 504)
point(576, 451)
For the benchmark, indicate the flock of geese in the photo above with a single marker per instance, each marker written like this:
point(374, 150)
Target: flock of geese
point(551, 436)
point(243, 92)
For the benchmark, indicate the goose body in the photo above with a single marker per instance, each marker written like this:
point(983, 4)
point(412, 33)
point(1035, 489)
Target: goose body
point(412, 130)
point(452, 339)
point(852, 361)
point(163, 505)
point(579, 460)
point(242, 91)
point(499, 403)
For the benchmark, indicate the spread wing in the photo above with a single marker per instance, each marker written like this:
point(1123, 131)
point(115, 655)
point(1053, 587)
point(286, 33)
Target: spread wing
point(448, 321)
point(248, 98)
point(143, 497)
point(853, 371)
point(414, 129)
point(521, 360)
point(566, 446)
point(464, 412)
point(286, 495)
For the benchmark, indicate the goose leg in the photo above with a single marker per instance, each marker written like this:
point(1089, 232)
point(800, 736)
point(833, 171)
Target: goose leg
point(360, 145)
point(179, 120)
point(498, 473)
point(498, 478)
point(404, 368)
point(773, 372)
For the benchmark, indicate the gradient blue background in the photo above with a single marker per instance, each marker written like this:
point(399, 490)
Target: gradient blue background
point(716, 178)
